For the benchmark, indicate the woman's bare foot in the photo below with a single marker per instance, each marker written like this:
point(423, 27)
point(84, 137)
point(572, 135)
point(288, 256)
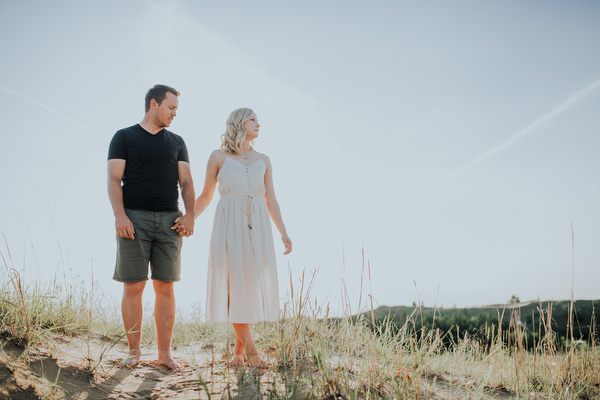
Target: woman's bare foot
point(169, 362)
point(130, 361)
point(237, 361)
point(257, 362)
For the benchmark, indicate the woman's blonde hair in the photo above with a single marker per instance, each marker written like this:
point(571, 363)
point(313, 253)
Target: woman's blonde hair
point(235, 133)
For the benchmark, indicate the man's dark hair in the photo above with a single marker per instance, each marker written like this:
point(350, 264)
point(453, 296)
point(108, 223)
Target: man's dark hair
point(158, 93)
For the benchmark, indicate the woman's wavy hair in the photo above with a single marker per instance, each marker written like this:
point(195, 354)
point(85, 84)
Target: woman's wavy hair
point(235, 134)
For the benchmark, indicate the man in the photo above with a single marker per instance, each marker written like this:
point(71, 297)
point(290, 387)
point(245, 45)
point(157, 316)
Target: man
point(146, 162)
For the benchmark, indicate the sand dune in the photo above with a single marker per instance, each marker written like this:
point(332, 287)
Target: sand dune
point(68, 369)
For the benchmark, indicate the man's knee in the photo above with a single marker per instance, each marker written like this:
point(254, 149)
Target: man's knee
point(134, 290)
point(163, 289)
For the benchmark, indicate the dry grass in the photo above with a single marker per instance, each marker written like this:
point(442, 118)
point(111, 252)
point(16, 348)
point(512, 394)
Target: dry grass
point(316, 357)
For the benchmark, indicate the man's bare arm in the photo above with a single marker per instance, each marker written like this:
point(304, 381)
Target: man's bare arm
point(185, 224)
point(123, 225)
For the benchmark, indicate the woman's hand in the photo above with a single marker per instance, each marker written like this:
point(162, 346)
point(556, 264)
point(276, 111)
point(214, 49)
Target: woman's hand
point(287, 242)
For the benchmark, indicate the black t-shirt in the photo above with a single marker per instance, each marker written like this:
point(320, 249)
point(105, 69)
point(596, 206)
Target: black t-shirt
point(151, 173)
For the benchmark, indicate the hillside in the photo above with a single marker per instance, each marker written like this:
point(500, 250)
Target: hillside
point(531, 316)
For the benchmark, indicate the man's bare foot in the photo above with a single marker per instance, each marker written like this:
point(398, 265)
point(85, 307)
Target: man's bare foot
point(130, 361)
point(257, 362)
point(169, 362)
point(237, 361)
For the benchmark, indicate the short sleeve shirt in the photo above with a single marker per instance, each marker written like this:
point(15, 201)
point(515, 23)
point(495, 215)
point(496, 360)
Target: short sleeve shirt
point(151, 177)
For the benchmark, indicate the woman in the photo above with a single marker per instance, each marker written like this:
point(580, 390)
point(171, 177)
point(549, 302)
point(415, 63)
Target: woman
point(242, 272)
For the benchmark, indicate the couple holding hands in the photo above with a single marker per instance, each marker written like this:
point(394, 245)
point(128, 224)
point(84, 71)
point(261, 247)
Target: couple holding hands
point(147, 165)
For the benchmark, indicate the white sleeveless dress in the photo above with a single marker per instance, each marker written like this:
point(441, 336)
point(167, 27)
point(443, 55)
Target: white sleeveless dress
point(242, 271)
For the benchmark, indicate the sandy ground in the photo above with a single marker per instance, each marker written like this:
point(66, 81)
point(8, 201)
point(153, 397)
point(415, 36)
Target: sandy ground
point(82, 368)
point(87, 369)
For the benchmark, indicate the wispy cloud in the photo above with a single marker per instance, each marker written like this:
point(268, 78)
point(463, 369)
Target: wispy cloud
point(534, 126)
point(52, 110)
point(385, 138)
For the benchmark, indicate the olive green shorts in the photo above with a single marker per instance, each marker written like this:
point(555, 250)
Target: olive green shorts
point(154, 243)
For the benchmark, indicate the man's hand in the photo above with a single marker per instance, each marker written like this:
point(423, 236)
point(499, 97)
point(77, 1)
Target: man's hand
point(184, 226)
point(124, 227)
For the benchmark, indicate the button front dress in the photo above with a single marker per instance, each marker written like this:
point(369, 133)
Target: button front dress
point(242, 271)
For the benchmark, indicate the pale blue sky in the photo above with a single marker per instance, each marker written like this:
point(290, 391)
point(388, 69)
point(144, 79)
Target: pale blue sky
point(454, 142)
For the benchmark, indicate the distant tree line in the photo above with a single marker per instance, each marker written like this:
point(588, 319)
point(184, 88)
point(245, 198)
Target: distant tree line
point(531, 323)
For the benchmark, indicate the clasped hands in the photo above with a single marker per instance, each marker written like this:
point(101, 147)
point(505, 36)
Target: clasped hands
point(184, 226)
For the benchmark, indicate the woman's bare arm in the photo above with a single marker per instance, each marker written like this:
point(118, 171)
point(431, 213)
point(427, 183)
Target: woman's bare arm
point(273, 206)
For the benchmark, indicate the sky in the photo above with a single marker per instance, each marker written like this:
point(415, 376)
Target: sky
point(442, 153)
